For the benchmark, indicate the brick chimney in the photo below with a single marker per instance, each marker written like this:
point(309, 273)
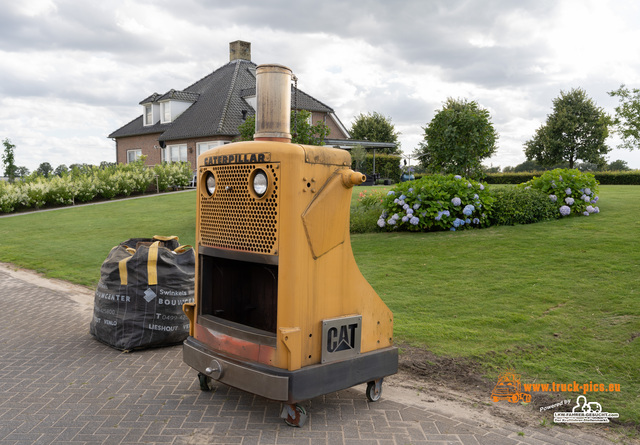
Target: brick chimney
point(239, 50)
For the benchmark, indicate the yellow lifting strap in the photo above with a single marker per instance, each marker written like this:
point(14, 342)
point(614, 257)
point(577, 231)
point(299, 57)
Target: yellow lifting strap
point(152, 263)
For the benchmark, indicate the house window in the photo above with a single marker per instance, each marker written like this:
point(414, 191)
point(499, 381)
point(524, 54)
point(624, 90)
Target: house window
point(201, 147)
point(148, 115)
point(175, 153)
point(165, 112)
point(133, 155)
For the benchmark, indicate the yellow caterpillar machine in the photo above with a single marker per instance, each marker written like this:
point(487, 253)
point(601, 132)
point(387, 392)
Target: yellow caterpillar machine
point(281, 308)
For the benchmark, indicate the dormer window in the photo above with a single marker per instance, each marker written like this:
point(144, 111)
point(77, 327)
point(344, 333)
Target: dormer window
point(165, 112)
point(148, 115)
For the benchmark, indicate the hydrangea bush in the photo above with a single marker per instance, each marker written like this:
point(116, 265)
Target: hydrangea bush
point(437, 202)
point(573, 192)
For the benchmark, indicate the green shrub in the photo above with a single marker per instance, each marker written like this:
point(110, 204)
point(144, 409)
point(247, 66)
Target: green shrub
point(516, 205)
point(618, 177)
point(387, 166)
point(510, 178)
point(437, 202)
point(573, 192)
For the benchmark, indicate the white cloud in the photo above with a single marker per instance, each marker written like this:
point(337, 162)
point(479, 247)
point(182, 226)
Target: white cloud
point(74, 71)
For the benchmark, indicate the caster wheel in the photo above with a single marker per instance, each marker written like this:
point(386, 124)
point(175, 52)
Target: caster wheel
point(206, 383)
point(294, 415)
point(374, 390)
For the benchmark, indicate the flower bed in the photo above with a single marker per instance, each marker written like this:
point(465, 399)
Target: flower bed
point(572, 191)
point(91, 183)
point(437, 203)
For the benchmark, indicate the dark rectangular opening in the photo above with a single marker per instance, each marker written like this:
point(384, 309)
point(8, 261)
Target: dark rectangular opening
point(239, 291)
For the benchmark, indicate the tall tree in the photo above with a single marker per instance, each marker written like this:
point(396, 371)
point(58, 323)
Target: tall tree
point(374, 127)
point(627, 118)
point(305, 133)
point(45, 169)
point(457, 139)
point(575, 130)
point(8, 159)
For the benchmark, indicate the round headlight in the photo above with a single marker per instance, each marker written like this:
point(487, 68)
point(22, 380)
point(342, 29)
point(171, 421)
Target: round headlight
point(210, 183)
point(260, 183)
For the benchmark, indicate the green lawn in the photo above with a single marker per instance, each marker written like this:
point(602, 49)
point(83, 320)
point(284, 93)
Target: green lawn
point(555, 301)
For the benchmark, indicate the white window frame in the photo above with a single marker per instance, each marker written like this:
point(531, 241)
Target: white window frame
point(201, 147)
point(136, 152)
point(169, 153)
point(148, 115)
point(165, 109)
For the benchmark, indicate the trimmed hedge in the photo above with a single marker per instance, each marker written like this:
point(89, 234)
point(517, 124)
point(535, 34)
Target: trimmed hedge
point(609, 178)
point(514, 205)
point(387, 166)
point(618, 178)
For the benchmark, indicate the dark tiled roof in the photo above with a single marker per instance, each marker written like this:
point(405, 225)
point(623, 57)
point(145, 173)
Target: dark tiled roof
point(217, 108)
point(178, 95)
point(150, 99)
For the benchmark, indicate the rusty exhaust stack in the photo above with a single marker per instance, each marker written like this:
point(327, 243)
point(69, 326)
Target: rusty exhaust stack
point(273, 94)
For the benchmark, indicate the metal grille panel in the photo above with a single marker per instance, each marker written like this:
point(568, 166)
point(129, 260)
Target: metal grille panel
point(233, 218)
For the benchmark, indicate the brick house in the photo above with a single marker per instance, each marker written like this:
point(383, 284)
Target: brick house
point(179, 125)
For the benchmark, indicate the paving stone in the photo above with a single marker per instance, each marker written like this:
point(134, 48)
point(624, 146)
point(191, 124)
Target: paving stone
point(58, 385)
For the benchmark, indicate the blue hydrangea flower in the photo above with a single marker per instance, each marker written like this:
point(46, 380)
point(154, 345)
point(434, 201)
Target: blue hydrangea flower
point(409, 211)
point(402, 197)
point(391, 221)
point(405, 218)
point(467, 221)
point(560, 178)
point(453, 229)
point(590, 209)
point(553, 198)
point(446, 213)
point(395, 216)
point(565, 210)
point(469, 185)
point(587, 191)
point(568, 191)
point(476, 197)
point(468, 210)
point(585, 213)
point(458, 177)
point(414, 221)
point(411, 190)
point(569, 201)
point(481, 187)
point(476, 221)
point(391, 192)
point(395, 201)
point(406, 206)
point(437, 218)
point(553, 184)
point(585, 198)
point(596, 209)
point(381, 222)
point(416, 206)
point(400, 202)
point(456, 222)
point(456, 201)
point(462, 222)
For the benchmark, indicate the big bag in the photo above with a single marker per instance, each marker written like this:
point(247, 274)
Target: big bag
point(143, 284)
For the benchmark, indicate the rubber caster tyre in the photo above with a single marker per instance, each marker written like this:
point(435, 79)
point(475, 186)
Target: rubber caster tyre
point(374, 390)
point(206, 383)
point(294, 415)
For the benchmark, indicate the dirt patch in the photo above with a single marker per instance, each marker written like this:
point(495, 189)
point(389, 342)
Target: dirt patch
point(456, 387)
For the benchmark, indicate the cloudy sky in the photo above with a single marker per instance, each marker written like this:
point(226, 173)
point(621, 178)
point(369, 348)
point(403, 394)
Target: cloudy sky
point(73, 71)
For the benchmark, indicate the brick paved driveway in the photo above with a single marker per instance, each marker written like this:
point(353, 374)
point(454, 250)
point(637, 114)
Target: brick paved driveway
point(59, 385)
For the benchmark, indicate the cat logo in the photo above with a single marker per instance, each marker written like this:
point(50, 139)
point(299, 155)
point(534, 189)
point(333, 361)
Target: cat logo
point(341, 338)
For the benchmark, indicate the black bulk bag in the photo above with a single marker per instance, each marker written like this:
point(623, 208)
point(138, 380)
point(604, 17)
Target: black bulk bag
point(143, 284)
